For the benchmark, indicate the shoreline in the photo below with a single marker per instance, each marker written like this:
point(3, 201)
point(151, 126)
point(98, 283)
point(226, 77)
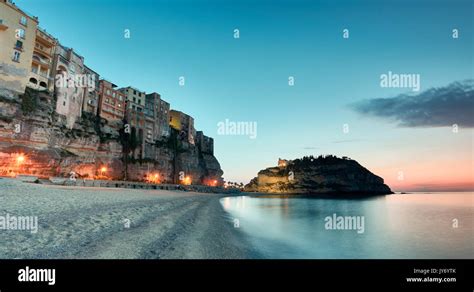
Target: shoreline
point(119, 184)
point(91, 223)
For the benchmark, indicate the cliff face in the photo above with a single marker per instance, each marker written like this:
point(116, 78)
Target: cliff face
point(323, 175)
point(34, 130)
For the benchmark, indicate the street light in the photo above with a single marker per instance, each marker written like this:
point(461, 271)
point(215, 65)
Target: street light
point(20, 159)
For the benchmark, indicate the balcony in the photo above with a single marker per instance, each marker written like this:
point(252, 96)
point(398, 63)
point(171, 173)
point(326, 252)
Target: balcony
point(40, 61)
point(43, 50)
point(3, 25)
point(45, 40)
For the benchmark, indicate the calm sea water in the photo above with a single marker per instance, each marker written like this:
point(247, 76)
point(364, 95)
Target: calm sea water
point(418, 225)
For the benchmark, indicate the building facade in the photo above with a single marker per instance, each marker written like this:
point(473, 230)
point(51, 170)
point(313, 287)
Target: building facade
point(204, 143)
point(40, 77)
point(163, 120)
point(134, 96)
point(184, 124)
point(135, 116)
point(70, 84)
point(17, 42)
point(156, 122)
point(90, 101)
point(112, 102)
point(157, 111)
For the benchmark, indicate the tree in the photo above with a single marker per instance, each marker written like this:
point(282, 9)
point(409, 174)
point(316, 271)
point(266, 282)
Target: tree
point(129, 141)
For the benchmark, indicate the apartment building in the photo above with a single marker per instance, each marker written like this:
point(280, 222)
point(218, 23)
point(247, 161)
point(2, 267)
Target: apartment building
point(204, 143)
point(70, 83)
point(157, 114)
point(17, 42)
point(156, 122)
point(90, 101)
point(135, 115)
point(135, 97)
point(184, 124)
point(112, 102)
point(40, 77)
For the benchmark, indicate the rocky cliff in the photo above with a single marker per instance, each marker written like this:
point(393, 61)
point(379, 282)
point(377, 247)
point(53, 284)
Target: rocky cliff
point(321, 175)
point(30, 129)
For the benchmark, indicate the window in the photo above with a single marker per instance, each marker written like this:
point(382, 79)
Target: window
point(19, 45)
point(16, 56)
point(108, 92)
point(20, 33)
point(23, 20)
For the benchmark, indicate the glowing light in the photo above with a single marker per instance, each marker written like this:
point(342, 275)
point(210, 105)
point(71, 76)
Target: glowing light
point(103, 169)
point(20, 159)
point(187, 180)
point(153, 178)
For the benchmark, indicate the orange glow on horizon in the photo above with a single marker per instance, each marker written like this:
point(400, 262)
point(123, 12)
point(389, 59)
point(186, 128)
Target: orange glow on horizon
point(428, 176)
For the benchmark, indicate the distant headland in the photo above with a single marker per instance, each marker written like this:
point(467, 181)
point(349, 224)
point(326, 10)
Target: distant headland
point(318, 175)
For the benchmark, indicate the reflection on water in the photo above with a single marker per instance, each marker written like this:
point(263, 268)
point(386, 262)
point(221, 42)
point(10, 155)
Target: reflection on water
point(437, 225)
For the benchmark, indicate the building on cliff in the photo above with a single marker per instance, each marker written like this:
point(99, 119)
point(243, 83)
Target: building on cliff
point(157, 113)
point(111, 101)
point(184, 124)
point(70, 83)
point(90, 101)
point(135, 97)
point(135, 116)
point(40, 77)
point(282, 162)
point(17, 42)
point(156, 122)
point(204, 143)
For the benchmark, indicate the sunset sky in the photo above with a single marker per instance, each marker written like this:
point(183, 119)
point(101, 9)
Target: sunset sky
point(407, 139)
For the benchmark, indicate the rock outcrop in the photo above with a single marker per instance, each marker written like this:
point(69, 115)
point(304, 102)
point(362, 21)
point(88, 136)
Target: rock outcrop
point(321, 175)
point(30, 127)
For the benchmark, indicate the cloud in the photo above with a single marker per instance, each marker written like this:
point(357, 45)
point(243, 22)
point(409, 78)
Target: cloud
point(436, 107)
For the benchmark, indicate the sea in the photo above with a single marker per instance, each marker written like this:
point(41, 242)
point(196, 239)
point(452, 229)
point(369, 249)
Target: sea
point(398, 226)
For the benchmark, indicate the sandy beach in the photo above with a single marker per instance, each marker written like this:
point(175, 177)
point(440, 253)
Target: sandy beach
point(103, 223)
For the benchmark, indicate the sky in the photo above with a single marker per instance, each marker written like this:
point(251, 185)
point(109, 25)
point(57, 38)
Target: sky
point(336, 104)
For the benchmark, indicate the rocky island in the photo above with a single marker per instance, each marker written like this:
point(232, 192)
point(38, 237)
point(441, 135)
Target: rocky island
point(318, 175)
